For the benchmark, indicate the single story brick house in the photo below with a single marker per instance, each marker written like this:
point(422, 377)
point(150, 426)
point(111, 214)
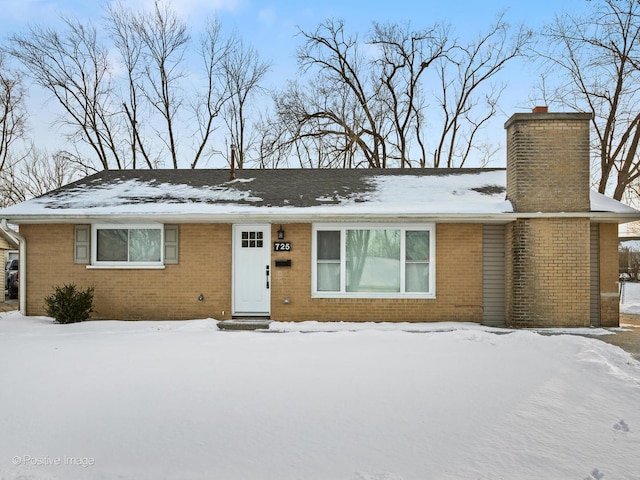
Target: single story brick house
point(526, 246)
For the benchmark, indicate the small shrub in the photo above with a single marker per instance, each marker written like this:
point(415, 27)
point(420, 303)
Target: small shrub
point(69, 305)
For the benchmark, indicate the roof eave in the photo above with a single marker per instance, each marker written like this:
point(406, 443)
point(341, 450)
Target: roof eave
point(267, 217)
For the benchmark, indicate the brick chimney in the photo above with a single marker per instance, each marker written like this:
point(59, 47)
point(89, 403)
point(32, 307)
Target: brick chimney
point(548, 269)
point(548, 161)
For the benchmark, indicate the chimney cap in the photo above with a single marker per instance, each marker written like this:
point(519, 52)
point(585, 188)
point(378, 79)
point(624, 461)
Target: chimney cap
point(541, 109)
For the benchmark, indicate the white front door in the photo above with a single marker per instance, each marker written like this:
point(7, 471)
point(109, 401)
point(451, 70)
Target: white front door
point(251, 270)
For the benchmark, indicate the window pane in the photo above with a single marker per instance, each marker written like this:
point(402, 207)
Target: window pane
point(417, 277)
point(417, 246)
point(112, 245)
point(144, 245)
point(328, 245)
point(373, 260)
point(328, 277)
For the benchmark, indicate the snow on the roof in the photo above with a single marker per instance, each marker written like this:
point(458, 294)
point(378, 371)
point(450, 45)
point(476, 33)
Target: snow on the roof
point(472, 193)
point(602, 203)
point(478, 192)
point(128, 193)
point(481, 193)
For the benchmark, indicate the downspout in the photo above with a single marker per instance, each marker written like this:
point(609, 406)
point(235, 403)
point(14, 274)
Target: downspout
point(22, 267)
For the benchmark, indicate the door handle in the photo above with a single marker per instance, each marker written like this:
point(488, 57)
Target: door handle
point(267, 277)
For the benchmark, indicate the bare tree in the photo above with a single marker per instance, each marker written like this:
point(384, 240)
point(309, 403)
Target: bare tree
point(162, 104)
point(36, 174)
point(466, 97)
point(13, 115)
point(272, 148)
point(317, 126)
point(595, 62)
point(153, 48)
point(404, 56)
point(279, 141)
point(214, 51)
point(164, 38)
point(345, 104)
point(73, 67)
point(244, 71)
point(121, 26)
point(371, 105)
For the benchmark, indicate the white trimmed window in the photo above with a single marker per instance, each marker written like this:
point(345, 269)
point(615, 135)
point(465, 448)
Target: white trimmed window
point(364, 260)
point(127, 245)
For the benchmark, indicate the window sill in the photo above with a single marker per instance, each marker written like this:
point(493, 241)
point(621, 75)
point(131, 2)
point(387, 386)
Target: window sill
point(373, 296)
point(125, 267)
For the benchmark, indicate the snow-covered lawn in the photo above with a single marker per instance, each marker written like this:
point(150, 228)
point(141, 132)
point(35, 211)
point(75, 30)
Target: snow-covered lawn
point(184, 400)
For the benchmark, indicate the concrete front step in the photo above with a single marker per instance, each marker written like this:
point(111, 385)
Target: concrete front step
point(245, 324)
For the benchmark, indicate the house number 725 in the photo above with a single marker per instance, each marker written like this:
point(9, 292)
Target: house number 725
point(281, 246)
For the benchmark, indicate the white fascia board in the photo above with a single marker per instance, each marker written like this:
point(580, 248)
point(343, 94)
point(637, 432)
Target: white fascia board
point(256, 218)
point(266, 217)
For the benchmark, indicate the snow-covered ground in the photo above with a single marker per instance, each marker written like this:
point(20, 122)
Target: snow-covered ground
point(184, 400)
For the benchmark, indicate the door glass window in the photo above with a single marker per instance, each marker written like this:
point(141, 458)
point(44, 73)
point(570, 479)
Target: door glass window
point(252, 239)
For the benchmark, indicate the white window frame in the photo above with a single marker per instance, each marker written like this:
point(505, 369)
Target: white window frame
point(403, 227)
point(125, 264)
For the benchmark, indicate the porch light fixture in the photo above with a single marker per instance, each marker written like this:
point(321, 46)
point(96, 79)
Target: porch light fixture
point(280, 233)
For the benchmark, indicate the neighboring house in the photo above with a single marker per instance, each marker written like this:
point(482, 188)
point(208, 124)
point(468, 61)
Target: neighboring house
point(524, 246)
point(8, 249)
point(629, 258)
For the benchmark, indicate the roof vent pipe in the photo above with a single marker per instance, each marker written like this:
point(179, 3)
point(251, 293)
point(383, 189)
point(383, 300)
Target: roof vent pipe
point(232, 175)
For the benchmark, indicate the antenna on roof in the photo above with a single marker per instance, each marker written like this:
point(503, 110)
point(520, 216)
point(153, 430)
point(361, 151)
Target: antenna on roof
point(232, 175)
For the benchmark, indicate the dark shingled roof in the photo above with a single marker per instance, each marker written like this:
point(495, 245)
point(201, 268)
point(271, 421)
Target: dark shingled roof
point(276, 187)
point(285, 194)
